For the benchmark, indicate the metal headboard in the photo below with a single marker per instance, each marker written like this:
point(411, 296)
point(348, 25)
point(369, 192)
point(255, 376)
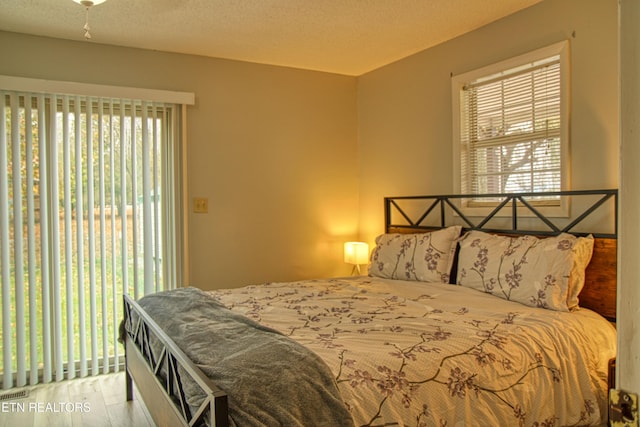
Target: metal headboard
point(599, 291)
point(512, 205)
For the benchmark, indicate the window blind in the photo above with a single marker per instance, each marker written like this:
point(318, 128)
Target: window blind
point(511, 130)
point(90, 209)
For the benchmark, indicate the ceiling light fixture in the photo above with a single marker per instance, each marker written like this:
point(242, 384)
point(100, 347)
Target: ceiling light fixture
point(87, 4)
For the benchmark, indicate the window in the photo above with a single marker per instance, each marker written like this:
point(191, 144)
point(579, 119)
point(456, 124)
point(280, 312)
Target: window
point(511, 125)
point(93, 190)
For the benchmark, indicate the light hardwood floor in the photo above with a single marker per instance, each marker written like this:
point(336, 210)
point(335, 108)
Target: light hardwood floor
point(93, 401)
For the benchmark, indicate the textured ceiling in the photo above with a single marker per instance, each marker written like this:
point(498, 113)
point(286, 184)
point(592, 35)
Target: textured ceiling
point(341, 36)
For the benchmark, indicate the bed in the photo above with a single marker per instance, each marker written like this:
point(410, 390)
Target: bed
point(461, 321)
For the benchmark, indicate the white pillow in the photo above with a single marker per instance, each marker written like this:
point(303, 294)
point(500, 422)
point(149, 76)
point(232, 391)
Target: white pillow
point(424, 257)
point(539, 272)
point(582, 252)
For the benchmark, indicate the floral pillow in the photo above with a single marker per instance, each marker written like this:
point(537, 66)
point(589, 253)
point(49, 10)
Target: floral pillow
point(424, 257)
point(546, 272)
point(582, 251)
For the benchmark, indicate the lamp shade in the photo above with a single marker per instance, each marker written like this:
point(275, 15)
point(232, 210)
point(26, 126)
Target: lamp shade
point(356, 253)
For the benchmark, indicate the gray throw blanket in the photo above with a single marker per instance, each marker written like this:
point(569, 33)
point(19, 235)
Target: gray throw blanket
point(270, 379)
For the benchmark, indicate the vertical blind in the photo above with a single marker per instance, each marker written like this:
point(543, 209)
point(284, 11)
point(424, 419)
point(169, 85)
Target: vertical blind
point(511, 130)
point(89, 201)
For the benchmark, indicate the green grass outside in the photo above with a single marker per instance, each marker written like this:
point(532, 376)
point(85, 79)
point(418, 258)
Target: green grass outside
point(114, 286)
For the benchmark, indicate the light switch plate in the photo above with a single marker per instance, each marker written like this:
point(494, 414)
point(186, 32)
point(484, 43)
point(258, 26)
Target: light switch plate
point(200, 205)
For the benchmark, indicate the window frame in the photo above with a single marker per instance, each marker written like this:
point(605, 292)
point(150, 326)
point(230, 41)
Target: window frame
point(458, 82)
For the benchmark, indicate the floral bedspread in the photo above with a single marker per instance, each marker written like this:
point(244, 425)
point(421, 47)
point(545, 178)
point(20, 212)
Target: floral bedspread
point(426, 354)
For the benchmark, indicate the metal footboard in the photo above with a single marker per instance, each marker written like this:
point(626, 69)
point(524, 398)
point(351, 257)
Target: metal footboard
point(160, 370)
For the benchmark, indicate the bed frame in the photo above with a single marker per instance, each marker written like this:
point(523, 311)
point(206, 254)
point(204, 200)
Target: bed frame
point(599, 292)
point(158, 374)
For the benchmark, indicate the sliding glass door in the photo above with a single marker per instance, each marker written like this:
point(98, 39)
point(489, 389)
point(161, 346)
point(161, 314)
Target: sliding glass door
point(88, 207)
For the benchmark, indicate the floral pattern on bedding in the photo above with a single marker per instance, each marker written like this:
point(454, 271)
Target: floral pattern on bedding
point(425, 257)
point(423, 354)
point(545, 273)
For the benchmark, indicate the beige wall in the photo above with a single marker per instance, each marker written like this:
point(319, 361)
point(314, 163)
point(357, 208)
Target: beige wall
point(404, 109)
point(273, 148)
